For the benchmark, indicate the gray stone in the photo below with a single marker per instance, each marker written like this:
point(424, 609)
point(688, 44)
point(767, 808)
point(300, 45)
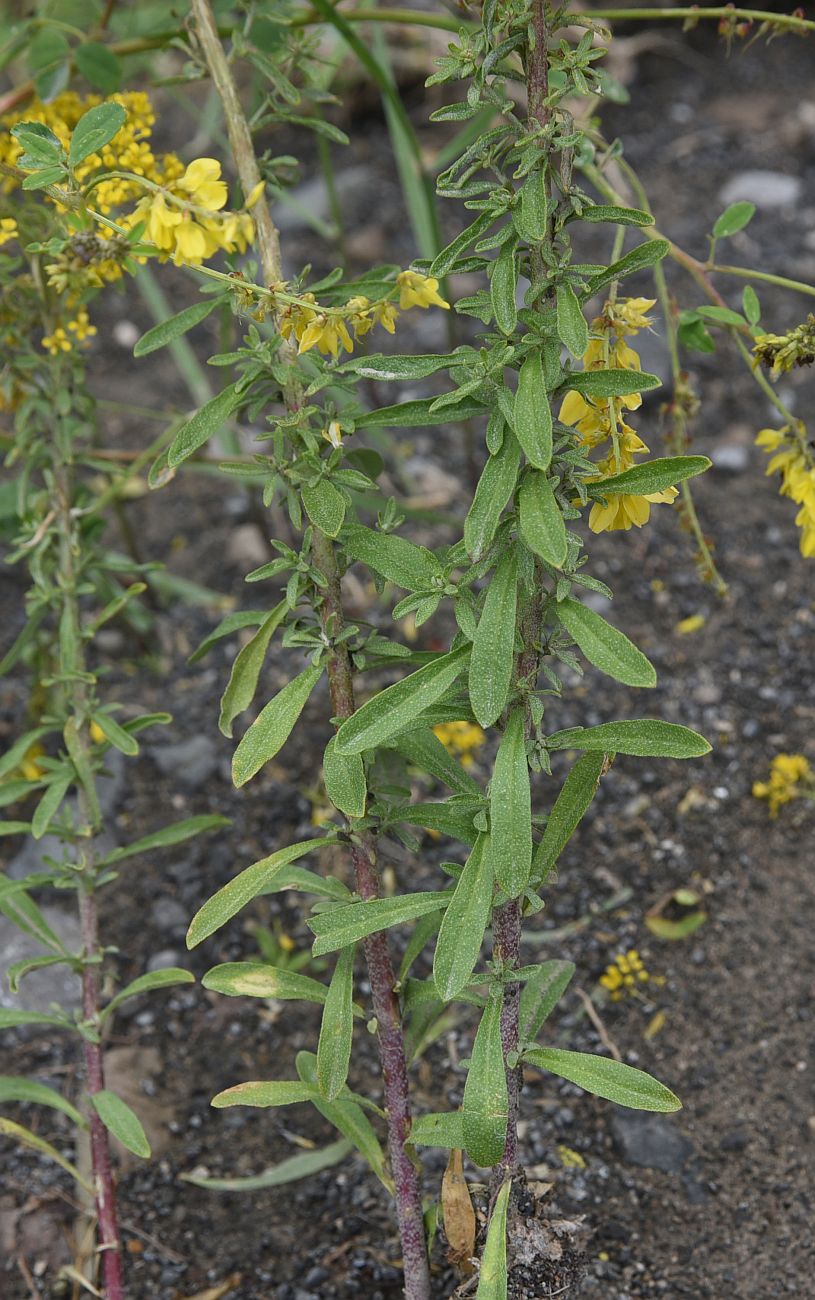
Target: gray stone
point(652, 1141)
point(164, 959)
point(189, 762)
point(168, 914)
point(42, 987)
point(768, 190)
point(730, 458)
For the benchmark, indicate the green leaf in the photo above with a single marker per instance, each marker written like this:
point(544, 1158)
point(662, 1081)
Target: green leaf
point(20, 908)
point(610, 383)
point(202, 426)
point(288, 1171)
point(49, 57)
point(49, 805)
point(604, 1077)
point(344, 777)
point(78, 754)
point(243, 679)
point(13, 1088)
point(257, 979)
point(273, 726)
point(643, 737)
point(734, 219)
point(116, 734)
point(540, 995)
point(229, 900)
point(168, 330)
point(511, 810)
point(94, 130)
point(652, 476)
point(464, 924)
point(348, 1117)
point(344, 925)
point(325, 506)
point(168, 836)
point(14, 756)
point(285, 1092)
point(40, 179)
point(453, 818)
point(384, 368)
point(532, 413)
point(577, 792)
point(617, 216)
point(15, 828)
point(17, 1132)
point(393, 709)
point(486, 1104)
point(571, 323)
point(532, 215)
point(41, 147)
point(19, 969)
point(444, 260)
point(99, 66)
point(400, 561)
point(443, 1129)
point(157, 979)
point(503, 287)
point(121, 1121)
point(604, 646)
point(751, 305)
point(493, 1277)
point(647, 254)
point(418, 413)
point(423, 748)
point(308, 882)
point(337, 1028)
point(232, 623)
point(495, 488)
point(542, 524)
point(494, 645)
point(722, 316)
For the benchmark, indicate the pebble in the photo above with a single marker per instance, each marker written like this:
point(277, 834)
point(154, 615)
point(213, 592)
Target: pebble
point(651, 1141)
point(169, 914)
point(190, 762)
point(768, 190)
point(51, 984)
point(165, 958)
point(730, 458)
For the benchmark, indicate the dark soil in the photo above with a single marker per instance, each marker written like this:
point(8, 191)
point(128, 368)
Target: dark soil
point(713, 1204)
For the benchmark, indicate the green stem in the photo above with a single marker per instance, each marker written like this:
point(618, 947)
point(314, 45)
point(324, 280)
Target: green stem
point(747, 273)
point(694, 13)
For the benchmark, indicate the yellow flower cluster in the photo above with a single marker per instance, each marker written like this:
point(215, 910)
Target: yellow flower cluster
point(8, 230)
point(793, 459)
point(185, 221)
point(791, 776)
point(783, 351)
point(600, 419)
point(625, 972)
point(330, 330)
point(461, 739)
point(77, 330)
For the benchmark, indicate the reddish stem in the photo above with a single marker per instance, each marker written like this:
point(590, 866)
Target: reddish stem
point(109, 1246)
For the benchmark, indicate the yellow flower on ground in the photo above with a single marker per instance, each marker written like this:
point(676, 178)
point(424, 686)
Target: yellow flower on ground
point(623, 974)
point(417, 290)
point(791, 776)
point(691, 624)
point(461, 739)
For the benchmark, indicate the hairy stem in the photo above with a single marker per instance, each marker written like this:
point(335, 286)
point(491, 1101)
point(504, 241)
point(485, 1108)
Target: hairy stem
point(341, 685)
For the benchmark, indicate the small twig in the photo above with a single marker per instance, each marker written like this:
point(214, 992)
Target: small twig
point(594, 1017)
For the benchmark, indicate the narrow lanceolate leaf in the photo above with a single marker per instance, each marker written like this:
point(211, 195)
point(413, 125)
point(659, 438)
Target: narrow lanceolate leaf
point(542, 525)
point(610, 383)
point(379, 366)
point(533, 415)
point(395, 558)
point(78, 754)
point(204, 425)
point(116, 735)
point(325, 506)
point(157, 979)
point(617, 216)
point(511, 810)
point(486, 1104)
point(495, 488)
point(652, 476)
point(337, 1028)
point(348, 1117)
point(395, 708)
point(122, 1122)
point(257, 979)
point(167, 836)
point(503, 288)
point(604, 646)
point(344, 776)
point(13, 1088)
point(287, 1092)
point(243, 679)
point(464, 924)
point(493, 1278)
point(344, 925)
point(604, 1077)
point(644, 737)
point(18, 1133)
point(12, 1017)
point(578, 790)
point(424, 748)
point(49, 805)
point(288, 1171)
point(443, 1129)
point(571, 323)
point(494, 645)
point(168, 330)
point(247, 885)
point(416, 414)
point(273, 725)
point(638, 259)
point(540, 995)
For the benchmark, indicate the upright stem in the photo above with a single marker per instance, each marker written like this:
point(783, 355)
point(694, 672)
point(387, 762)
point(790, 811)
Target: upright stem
point(341, 685)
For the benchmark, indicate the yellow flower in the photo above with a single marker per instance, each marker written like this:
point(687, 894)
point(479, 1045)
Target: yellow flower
point(790, 776)
point(626, 511)
point(417, 290)
point(623, 974)
point(795, 462)
point(57, 342)
point(8, 229)
point(202, 181)
point(386, 316)
point(461, 739)
point(627, 315)
point(691, 624)
point(333, 433)
point(97, 734)
point(81, 327)
point(328, 334)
